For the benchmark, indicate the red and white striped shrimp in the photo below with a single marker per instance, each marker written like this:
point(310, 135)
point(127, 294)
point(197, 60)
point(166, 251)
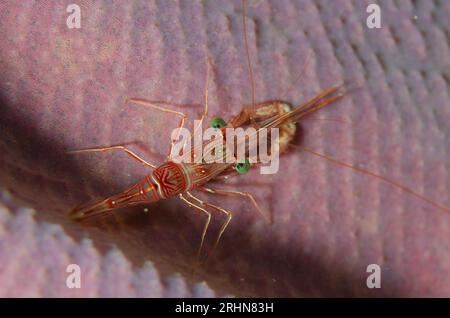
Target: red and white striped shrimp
point(173, 179)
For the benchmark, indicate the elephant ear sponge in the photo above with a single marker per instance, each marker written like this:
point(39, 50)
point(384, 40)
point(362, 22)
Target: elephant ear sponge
point(64, 89)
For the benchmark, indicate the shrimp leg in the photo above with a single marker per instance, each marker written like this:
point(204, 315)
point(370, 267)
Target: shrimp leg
point(231, 193)
point(205, 110)
point(229, 215)
point(205, 228)
point(154, 105)
point(128, 151)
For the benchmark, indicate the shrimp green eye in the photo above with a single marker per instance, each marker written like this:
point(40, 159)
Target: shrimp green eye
point(218, 122)
point(243, 167)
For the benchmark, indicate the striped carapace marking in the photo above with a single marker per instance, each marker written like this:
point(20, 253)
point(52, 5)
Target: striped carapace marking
point(141, 192)
point(170, 179)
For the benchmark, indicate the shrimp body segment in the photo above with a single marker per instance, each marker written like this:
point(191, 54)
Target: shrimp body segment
point(168, 180)
point(144, 191)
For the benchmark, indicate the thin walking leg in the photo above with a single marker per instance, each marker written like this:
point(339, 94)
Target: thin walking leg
point(205, 228)
point(155, 105)
point(229, 215)
point(103, 149)
point(205, 110)
point(231, 193)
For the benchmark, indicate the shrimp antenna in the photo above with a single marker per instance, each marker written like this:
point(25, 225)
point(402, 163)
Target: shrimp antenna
point(380, 177)
point(249, 62)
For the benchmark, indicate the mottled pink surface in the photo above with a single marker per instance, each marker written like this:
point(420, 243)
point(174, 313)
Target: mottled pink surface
point(64, 89)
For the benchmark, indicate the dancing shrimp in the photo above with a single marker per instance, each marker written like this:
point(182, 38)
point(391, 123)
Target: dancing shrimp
point(173, 179)
point(178, 179)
